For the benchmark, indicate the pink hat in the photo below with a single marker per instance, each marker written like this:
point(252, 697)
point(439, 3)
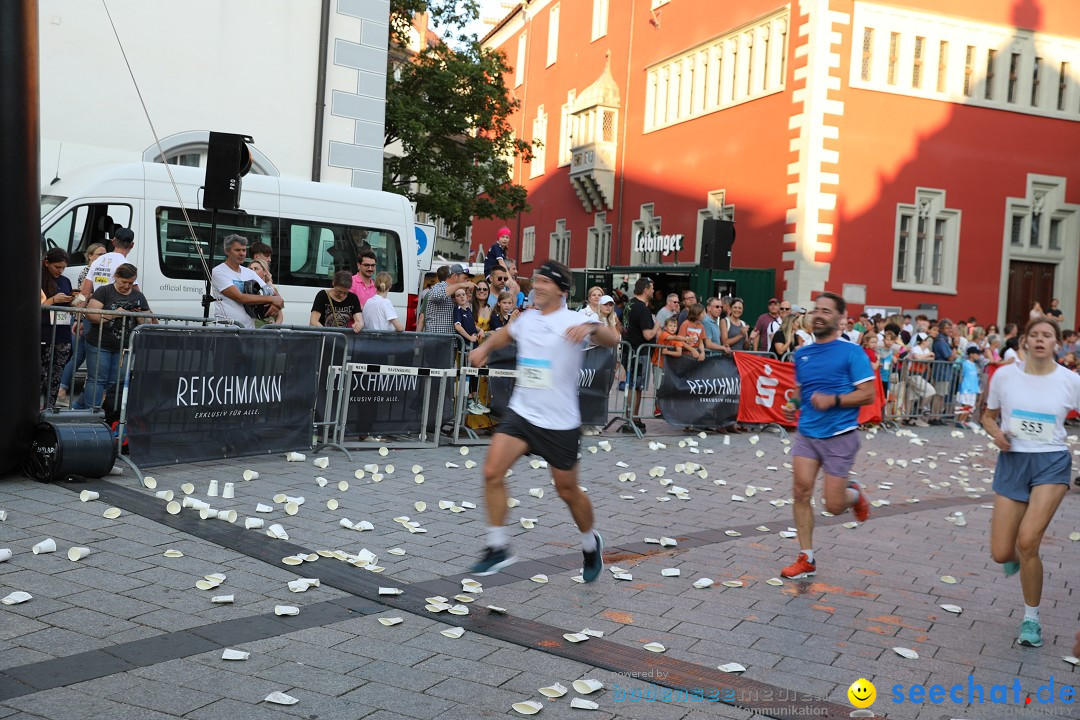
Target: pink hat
point(504, 231)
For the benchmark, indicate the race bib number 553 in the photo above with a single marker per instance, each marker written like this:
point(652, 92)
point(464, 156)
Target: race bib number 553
point(1032, 426)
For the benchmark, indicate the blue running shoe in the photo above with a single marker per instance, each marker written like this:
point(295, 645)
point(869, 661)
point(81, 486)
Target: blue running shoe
point(1030, 634)
point(1010, 568)
point(594, 561)
point(492, 562)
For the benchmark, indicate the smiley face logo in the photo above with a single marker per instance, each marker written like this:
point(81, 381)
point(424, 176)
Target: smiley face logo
point(862, 693)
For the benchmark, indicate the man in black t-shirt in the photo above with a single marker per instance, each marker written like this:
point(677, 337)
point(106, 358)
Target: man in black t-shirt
point(640, 329)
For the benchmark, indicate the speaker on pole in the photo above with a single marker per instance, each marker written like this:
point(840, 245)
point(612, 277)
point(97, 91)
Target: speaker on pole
point(717, 237)
point(228, 159)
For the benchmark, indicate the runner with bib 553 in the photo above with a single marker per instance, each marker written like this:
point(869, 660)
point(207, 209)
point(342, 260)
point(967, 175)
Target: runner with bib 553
point(1025, 415)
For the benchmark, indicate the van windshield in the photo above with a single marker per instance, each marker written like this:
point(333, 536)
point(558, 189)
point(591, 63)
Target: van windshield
point(48, 202)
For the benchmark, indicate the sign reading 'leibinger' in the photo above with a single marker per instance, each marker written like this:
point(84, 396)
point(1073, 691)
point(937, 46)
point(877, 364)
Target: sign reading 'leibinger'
point(654, 242)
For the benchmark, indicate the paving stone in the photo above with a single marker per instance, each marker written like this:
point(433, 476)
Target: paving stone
point(406, 704)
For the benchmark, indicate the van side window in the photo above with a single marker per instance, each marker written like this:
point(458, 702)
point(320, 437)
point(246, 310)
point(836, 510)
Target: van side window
point(177, 253)
point(312, 251)
point(85, 224)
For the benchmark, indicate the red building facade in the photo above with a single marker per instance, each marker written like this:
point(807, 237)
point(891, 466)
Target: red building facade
point(889, 152)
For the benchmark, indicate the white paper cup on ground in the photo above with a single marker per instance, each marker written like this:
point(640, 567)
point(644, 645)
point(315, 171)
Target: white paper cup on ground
point(321, 481)
point(47, 545)
point(291, 508)
point(277, 531)
point(173, 508)
point(587, 685)
point(207, 512)
point(227, 515)
point(280, 698)
point(78, 553)
point(17, 597)
point(583, 704)
point(166, 495)
point(187, 488)
point(88, 495)
point(253, 523)
point(230, 654)
point(528, 707)
point(283, 610)
point(229, 492)
point(212, 491)
point(251, 475)
point(149, 483)
point(5, 554)
point(322, 463)
point(295, 457)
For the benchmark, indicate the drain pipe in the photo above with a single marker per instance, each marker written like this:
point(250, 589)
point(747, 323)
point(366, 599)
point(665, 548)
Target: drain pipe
point(320, 90)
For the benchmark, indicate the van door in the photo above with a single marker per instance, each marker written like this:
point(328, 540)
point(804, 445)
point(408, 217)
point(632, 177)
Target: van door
point(87, 221)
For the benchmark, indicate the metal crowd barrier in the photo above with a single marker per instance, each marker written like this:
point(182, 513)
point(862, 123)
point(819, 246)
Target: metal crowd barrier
point(55, 357)
point(924, 392)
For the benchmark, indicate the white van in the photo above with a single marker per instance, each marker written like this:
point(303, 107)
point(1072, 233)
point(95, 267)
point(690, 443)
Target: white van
point(313, 228)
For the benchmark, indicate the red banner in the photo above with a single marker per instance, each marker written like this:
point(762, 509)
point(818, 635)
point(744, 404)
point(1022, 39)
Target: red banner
point(766, 384)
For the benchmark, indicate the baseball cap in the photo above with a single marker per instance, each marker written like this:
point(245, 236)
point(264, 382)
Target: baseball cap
point(920, 337)
point(457, 269)
point(973, 350)
point(606, 299)
point(504, 231)
point(773, 300)
point(124, 235)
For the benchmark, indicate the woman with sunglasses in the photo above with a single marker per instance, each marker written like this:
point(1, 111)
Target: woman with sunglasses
point(481, 307)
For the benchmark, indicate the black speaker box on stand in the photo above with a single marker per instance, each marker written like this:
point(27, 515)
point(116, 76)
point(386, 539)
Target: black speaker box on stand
point(717, 237)
point(228, 159)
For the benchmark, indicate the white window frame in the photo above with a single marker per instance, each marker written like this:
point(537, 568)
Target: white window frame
point(528, 244)
point(1046, 193)
point(599, 19)
point(559, 249)
point(539, 128)
point(742, 65)
point(1003, 41)
point(553, 35)
point(566, 129)
point(519, 68)
point(598, 246)
point(929, 206)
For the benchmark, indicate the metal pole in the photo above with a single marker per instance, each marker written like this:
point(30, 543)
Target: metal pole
point(20, 205)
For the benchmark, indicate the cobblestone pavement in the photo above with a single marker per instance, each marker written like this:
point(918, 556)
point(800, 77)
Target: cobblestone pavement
point(125, 633)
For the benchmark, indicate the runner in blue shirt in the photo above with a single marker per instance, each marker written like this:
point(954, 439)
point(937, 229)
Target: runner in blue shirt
point(837, 378)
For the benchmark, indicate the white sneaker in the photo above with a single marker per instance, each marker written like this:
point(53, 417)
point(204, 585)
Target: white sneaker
point(482, 407)
point(473, 408)
point(921, 423)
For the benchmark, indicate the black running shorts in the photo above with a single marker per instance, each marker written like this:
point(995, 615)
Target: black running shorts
point(558, 447)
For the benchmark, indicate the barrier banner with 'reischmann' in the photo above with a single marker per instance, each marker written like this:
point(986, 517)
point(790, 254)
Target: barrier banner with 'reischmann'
point(219, 393)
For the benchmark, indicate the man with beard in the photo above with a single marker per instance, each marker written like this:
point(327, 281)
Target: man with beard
point(543, 416)
point(836, 378)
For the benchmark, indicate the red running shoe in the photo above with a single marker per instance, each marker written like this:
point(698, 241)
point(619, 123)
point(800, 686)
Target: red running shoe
point(801, 568)
point(861, 507)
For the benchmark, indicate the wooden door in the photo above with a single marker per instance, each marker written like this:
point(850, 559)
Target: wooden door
point(1029, 282)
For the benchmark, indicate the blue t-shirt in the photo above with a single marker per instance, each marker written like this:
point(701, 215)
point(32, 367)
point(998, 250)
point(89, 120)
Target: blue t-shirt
point(464, 315)
point(835, 367)
point(712, 332)
point(969, 377)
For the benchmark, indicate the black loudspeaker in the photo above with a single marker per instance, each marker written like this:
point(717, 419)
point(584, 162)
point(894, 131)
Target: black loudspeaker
point(717, 237)
point(61, 450)
point(228, 159)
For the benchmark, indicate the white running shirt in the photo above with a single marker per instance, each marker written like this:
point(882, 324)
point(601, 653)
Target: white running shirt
point(100, 273)
point(547, 395)
point(1033, 407)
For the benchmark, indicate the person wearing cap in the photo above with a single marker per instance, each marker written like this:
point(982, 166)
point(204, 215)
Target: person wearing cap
point(439, 312)
point(496, 255)
point(543, 415)
point(761, 327)
point(101, 271)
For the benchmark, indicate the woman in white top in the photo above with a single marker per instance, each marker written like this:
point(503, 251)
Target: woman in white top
point(1025, 415)
point(379, 312)
point(591, 309)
